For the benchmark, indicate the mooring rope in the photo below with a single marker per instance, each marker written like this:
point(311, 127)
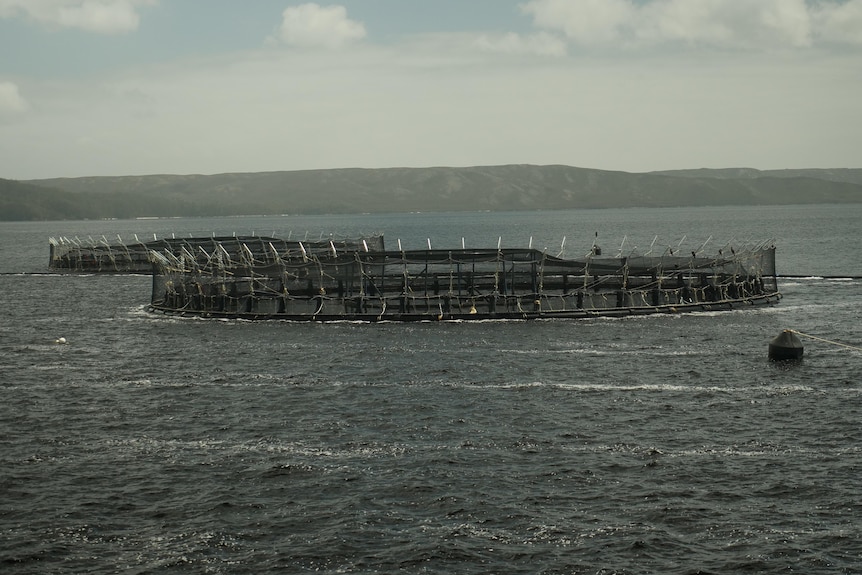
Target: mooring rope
point(826, 340)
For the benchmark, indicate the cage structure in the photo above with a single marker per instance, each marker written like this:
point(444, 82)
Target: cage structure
point(458, 284)
point(101, 256)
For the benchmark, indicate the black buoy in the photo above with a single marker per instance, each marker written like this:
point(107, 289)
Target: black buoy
point(785, 346)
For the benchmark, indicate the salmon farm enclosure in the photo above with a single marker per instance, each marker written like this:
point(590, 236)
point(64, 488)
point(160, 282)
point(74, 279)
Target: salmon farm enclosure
point(356, 281)
point(101, 256)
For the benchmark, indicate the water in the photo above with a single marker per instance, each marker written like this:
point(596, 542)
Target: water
point(662, 444)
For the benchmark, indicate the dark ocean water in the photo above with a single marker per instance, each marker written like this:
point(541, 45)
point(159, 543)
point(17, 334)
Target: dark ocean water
point(666, 444)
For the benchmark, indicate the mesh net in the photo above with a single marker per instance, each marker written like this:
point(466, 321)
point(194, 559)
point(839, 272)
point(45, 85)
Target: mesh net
point(118, 257)
point(324, 282)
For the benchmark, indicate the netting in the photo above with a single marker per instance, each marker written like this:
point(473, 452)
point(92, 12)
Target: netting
point(367, 284)
point(134, 257)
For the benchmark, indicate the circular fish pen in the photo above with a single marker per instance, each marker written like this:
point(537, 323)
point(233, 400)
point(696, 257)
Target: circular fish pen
point(325, 282)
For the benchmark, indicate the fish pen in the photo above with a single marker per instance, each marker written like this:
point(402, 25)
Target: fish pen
point(101, 256)
point(457, 284)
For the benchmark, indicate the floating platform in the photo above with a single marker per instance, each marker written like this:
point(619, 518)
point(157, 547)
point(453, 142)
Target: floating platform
point(360, 283)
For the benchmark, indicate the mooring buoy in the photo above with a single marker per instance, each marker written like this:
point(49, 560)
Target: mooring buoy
point(785, 346)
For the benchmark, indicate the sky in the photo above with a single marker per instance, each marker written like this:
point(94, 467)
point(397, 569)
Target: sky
point(135, 87)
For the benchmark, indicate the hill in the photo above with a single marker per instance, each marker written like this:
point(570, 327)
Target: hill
point(21, 201)
point(354, 190)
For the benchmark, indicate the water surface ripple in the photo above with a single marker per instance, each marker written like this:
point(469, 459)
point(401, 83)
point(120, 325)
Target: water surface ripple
point(664, 444)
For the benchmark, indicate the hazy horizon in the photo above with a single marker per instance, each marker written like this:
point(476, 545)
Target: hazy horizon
point(139, 87)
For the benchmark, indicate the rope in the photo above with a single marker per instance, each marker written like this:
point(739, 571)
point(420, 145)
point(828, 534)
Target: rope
point(825, 340)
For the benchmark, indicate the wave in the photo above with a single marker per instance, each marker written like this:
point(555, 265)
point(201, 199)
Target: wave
point(209, 447)
point(610, 350)
point(746, 391)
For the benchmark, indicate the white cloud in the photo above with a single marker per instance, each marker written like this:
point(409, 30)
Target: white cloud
point(11, 101)
point(584, 22)
point(100, 16)
point(314, 26)
point(723, 24)
point(839, 22)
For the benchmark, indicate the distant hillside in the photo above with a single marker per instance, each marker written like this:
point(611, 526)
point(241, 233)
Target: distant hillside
point(353, 190)
point(20, 201)
point(847, 175)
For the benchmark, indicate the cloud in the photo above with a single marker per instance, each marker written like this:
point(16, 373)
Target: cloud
point(314, 26)
point(722, 24)
point(100, 16)
point(11, 101)
point(463, 98)
point(584, 22)
point(839, 22)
